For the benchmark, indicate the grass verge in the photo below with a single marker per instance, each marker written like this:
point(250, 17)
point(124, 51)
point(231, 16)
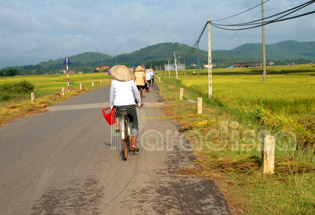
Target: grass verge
point(232, 157)
point(16, 109)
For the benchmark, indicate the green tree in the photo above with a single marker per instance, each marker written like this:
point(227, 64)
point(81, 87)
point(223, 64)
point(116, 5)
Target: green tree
point(8, 72)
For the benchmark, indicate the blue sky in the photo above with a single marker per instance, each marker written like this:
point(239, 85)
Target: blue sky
point(39, 30)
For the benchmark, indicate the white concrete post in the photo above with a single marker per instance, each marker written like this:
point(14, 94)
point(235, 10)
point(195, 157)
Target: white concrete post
point(199, 106)
point(181, 93)
point(80, 86)
point(268, 154)
point(63, 91)
point(32, 97)
point(100, 82)
point(92, 83)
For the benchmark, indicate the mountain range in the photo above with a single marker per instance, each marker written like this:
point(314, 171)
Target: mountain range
point(281, 53)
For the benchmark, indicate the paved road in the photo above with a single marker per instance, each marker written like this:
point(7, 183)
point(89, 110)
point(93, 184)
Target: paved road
point(65, 161)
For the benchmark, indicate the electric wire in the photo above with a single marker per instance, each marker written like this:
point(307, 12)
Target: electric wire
point(282, 16)
point(265, 23)
point(255, 22)
point(276, 8)
point(241, 12)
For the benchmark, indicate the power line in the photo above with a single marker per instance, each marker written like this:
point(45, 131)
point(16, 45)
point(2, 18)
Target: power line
point(266, 23)
point(258, 21)
point(276, 8)
point(196, 45)
point(255, 23)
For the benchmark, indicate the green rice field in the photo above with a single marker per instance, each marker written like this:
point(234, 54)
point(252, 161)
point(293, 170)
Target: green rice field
point(285, 101)
point(51, 84)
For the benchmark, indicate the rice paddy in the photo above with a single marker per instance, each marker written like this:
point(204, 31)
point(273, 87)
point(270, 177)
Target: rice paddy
point(285, 101)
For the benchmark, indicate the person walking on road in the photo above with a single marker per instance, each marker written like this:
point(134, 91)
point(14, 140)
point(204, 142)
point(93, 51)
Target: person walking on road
point(123, 96)
point(152, 76)
point(140, 80)
point(148, 78)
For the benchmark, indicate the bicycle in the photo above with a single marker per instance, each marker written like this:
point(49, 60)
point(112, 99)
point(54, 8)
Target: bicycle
point(125, 136)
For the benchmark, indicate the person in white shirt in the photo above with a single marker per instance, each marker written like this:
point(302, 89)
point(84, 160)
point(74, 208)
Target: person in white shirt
point(123, 96)
point(152, 76)
point(148, 77)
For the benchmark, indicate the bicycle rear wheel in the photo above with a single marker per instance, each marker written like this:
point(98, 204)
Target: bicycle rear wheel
point(124, 149)
point(124, 146)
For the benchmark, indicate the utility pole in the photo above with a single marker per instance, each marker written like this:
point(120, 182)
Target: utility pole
point(198, 59)
point(263, 40)
point(180, 67)
point(175, 61)
point(209, 62)
point(184, 60)
point(169, 72)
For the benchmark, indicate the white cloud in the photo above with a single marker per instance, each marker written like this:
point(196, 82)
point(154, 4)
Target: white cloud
point(33, 31)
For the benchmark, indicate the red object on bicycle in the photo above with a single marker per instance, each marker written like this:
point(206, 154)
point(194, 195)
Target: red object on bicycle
point(110, 116)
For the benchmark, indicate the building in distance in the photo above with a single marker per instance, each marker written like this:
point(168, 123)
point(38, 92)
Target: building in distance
point(248, 65)
point(172, 66)
point(102, 68)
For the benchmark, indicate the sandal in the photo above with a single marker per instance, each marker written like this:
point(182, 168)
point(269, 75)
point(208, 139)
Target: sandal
point(134, 148)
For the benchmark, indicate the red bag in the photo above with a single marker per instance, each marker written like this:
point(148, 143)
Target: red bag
point(110, 117)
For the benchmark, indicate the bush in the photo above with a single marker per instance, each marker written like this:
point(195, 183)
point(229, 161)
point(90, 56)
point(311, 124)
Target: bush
point(23, 87)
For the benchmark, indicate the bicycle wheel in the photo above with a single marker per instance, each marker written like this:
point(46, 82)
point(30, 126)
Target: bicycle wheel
point(124, 146)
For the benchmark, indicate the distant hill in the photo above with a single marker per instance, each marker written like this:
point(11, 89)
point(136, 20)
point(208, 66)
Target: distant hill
point(84, 59)
point(281, 53)
point(165, 51)
point(286, 50)
point(84, 62)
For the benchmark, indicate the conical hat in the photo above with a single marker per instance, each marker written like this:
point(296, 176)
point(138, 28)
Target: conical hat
point(121, 73)
point(147, 70)
point(139, 68)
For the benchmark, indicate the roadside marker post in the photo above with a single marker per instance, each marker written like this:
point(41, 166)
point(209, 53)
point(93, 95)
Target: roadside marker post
point(92, 83)
point(181, 93)
point(80, 86)
point(268, 154)
point(32, 97)
point(67, 62)
point(199, 106)
point(100, 82)
point(63, 91)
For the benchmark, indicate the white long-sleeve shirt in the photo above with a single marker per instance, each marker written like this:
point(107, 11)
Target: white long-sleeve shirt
point(148, 76)
point(123, 93)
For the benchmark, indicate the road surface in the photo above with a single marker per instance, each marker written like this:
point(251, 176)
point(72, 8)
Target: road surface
point(67, 161)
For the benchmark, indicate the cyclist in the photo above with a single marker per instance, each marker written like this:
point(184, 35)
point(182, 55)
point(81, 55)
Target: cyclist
point(140, 80)
point(123, 94)
point(152, 76)
point(148, 77)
